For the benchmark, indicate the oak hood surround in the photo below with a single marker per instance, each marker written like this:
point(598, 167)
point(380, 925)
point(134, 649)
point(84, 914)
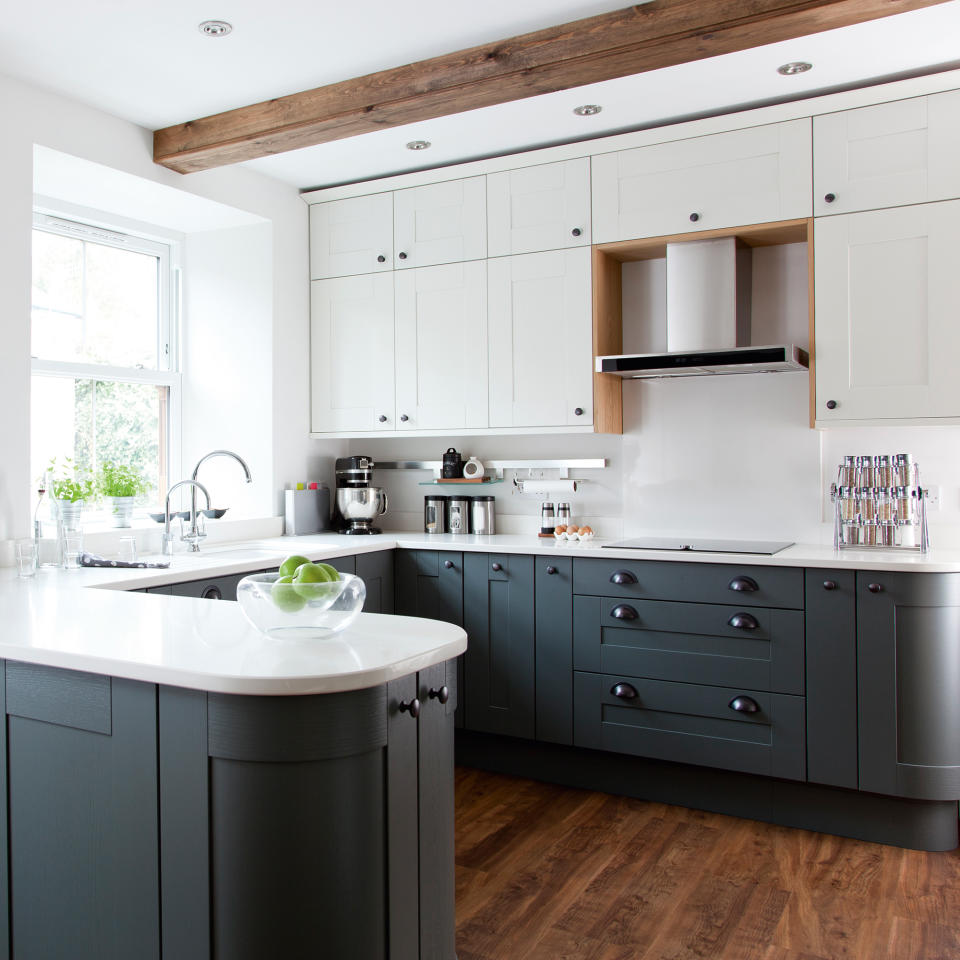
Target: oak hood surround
point(708, 319)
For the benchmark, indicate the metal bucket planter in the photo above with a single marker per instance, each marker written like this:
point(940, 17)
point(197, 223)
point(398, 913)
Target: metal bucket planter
point(69, 515)
point(121, 511)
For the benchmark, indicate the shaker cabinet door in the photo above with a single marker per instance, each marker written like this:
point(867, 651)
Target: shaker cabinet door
point(351, 354)
point(440, 223)
point(546, 207)
point(887, 336)
point(887, 155)
point(353, 236)
point(756, 175)
point(541, 340)
point(442, 347)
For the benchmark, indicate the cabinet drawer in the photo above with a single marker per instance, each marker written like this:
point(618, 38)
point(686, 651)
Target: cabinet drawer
point(744, 586)
point(758, 648)
point(689, 723)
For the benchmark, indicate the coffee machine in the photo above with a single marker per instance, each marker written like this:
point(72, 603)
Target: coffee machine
point(357, 503)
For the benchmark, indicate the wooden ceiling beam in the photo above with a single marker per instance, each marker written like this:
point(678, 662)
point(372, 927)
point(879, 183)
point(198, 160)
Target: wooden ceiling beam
point(650, 36)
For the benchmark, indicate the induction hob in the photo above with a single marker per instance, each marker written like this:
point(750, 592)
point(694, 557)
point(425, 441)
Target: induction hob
point(702, 545)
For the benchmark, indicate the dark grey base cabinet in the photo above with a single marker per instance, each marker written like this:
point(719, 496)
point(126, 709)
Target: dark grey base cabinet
point(150, 822)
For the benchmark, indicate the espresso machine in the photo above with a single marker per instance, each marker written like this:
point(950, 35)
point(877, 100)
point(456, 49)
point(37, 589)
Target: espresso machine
point(357, 503)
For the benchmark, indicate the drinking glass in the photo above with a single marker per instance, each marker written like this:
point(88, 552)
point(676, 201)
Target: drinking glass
point(26, 558)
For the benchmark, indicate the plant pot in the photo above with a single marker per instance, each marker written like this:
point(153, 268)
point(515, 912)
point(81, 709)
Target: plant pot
point(69, 515)
point(121, 510)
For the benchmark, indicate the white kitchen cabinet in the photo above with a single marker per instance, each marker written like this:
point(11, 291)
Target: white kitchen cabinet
point(440, 223)
point(887, 336)
point(441, 347)
point(353, 236)
point(886, 155)
point(352, 354)
point(757, 175)
point(546, 207)
point(541, 339)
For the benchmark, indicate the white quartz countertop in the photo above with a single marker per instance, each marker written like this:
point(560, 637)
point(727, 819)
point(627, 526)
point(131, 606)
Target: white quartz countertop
point(89, 620)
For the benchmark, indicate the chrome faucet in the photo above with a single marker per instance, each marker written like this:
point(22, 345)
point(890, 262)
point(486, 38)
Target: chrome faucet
point(192, 536)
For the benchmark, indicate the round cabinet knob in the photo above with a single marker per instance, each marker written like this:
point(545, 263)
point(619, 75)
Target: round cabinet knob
point(382, 418)
point(496, 566)
point(743, 585)
point(621, 577)
point(829, 197)
point(743, 621)
point(694, 217)
point(829, 584)
point(212, 593)
point(402, 255)
point(625, 691)
point(875, 587)
point(403, 418)
point(381, 259)
point(448, 564)
point(831, 404)
point(623, 611)
point(578, 411)
point(744, 705)
point(551, 570)
point(576, 231)
point(443, 694)
point(410, 706)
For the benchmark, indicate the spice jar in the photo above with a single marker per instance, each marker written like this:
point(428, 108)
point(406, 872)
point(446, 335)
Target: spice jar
point(847, 475)
point(868, 503)
point(848, 504)
point(883, 471)
point(905, 470)
point(904, 506)
point(886, 505)
point(870, 533)
point(867, 472)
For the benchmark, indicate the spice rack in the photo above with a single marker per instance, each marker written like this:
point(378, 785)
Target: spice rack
point(879, 503)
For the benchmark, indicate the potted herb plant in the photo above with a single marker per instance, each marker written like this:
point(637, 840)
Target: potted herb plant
point(119, 484)
point(70, 490)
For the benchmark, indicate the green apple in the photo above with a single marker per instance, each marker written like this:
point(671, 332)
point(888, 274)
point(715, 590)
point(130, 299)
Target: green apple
point(309, 579)
point(289, 566)
point(333, 571)
point(285, 595)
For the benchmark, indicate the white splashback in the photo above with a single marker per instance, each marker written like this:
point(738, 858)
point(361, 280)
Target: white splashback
point(722, 456)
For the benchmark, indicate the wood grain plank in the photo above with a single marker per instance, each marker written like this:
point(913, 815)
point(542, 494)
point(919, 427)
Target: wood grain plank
point(634, 40)
point(573, 875)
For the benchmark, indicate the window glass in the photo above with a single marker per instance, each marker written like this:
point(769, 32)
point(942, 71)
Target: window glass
point(91, 421)
point(94, 303)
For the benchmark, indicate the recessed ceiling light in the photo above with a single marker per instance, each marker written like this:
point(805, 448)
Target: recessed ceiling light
point(215, 28)
point(796, 66)
point(587, 110)
point(418, 144)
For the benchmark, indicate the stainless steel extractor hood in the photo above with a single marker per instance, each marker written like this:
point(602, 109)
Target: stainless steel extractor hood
point(644, 366)
point(708, 288)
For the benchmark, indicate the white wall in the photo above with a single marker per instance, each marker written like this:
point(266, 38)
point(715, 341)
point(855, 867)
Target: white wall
point(723, 456)
point(30, 116)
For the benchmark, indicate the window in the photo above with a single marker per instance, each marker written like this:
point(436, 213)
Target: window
point(105, 381)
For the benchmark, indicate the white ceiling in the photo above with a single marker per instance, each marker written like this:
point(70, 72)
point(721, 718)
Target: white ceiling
point(149, 64)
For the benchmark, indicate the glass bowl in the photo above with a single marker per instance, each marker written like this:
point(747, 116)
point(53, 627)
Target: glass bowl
point(300, 611)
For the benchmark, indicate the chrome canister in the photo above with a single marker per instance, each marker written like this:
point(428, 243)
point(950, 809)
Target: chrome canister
point(482, 516)
point(458, 514)
point(435, 513)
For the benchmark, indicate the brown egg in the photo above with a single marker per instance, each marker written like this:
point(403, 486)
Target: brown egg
point(572, 529)
point(584, 530)
point(561, 528)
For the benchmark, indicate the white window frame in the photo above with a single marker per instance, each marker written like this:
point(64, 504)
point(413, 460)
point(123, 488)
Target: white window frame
point(168, 372)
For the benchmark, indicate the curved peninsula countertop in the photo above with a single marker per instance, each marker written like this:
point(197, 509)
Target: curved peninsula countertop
point(56, 620)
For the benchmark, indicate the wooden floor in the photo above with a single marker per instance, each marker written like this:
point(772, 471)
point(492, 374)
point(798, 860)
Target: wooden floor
point(549, 873)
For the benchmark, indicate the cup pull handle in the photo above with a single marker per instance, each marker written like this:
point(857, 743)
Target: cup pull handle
point(625, 691)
